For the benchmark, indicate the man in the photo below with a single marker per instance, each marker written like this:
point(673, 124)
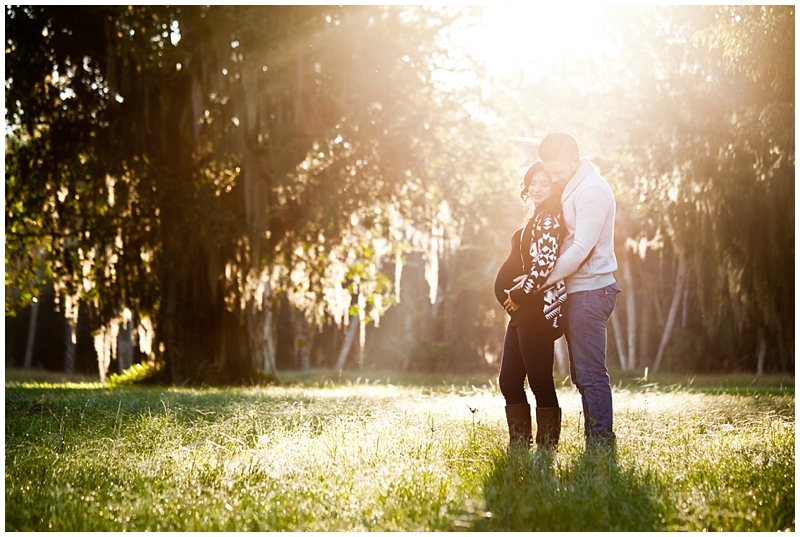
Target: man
point(586, 264)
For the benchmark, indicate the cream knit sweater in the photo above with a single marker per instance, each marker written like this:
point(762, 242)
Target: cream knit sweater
point(587, 259)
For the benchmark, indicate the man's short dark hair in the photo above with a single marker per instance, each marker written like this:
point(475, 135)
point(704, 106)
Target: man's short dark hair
point(558, 145)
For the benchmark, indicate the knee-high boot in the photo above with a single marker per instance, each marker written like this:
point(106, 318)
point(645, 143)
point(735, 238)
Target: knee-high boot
point(548, 427)
point(519, 425)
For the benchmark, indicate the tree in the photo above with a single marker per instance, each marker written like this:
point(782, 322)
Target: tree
point(184, 163)
point(718, 154)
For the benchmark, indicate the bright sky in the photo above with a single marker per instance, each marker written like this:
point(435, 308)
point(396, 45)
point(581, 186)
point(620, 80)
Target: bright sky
point(526, 37)
point(515, 35)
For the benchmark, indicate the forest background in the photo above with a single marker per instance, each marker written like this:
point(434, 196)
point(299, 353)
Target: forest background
point(227, 192)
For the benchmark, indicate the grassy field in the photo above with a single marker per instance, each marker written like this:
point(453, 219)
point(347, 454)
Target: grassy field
point(376, 453)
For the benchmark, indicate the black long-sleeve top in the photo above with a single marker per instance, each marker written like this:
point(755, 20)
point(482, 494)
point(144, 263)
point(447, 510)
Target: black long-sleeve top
point(534, 250)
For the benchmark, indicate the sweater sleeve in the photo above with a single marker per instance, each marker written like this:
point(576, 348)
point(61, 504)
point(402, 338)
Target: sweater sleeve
point(591, 209)
point(544, 253)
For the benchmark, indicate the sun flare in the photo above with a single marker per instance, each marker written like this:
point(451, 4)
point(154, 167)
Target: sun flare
point(521, 36)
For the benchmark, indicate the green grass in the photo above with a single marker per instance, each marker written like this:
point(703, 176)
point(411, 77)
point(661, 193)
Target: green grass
point(372, 453)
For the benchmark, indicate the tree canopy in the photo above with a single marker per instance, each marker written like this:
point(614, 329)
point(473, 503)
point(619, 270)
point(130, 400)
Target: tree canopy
point(183, 162)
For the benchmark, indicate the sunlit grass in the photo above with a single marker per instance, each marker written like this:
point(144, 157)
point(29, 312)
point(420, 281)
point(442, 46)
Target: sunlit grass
point(41, 378)
point(341, 455)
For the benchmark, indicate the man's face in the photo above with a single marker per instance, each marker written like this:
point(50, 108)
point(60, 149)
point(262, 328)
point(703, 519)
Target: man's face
point(562, 169)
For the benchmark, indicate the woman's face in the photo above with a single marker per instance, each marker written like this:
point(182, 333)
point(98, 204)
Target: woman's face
point(541, 188)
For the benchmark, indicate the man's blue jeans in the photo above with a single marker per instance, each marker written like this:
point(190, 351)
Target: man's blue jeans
point(587, 316)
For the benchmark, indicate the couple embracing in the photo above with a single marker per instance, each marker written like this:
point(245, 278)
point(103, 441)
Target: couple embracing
point(558, 280)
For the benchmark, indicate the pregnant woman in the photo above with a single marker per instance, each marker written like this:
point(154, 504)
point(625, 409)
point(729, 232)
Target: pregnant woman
point(535, 316)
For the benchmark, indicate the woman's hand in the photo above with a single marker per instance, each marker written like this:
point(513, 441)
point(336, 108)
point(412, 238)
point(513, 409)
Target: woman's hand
point(510, 306)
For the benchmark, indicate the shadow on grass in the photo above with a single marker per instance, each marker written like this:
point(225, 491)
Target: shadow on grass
point(540, 491)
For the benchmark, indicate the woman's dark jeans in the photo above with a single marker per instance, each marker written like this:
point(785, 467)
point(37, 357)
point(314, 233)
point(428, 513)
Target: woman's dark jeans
point(528, 350)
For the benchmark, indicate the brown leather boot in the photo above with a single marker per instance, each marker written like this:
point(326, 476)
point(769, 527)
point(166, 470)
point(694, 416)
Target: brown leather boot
point(519, 425)
point(548, 427)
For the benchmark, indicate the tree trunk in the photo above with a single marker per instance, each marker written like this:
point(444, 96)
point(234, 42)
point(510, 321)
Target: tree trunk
point(630, 312)
point(408, 339)
point(362, 340)
point(646, 328)
point(443, 311)
point(685, 302)
point(302, 339)
point(619, 339)
point(352, 331)
point(187, 325)
point(262, 336)
point(271, 339)
point(562, 355)
point(762, 352)
point(71, 308)
point(125, 346)
point(201, 344)
point(70, 342)
point(680, 281)
point(28, 361)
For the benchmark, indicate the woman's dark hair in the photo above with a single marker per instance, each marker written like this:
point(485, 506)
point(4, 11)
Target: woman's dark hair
point(558, 187)
point(535, 168)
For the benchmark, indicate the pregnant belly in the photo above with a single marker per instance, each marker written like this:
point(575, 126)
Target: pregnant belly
point(505, 278)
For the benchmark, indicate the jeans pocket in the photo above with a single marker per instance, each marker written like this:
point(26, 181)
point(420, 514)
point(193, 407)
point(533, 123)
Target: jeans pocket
point(609, 301)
